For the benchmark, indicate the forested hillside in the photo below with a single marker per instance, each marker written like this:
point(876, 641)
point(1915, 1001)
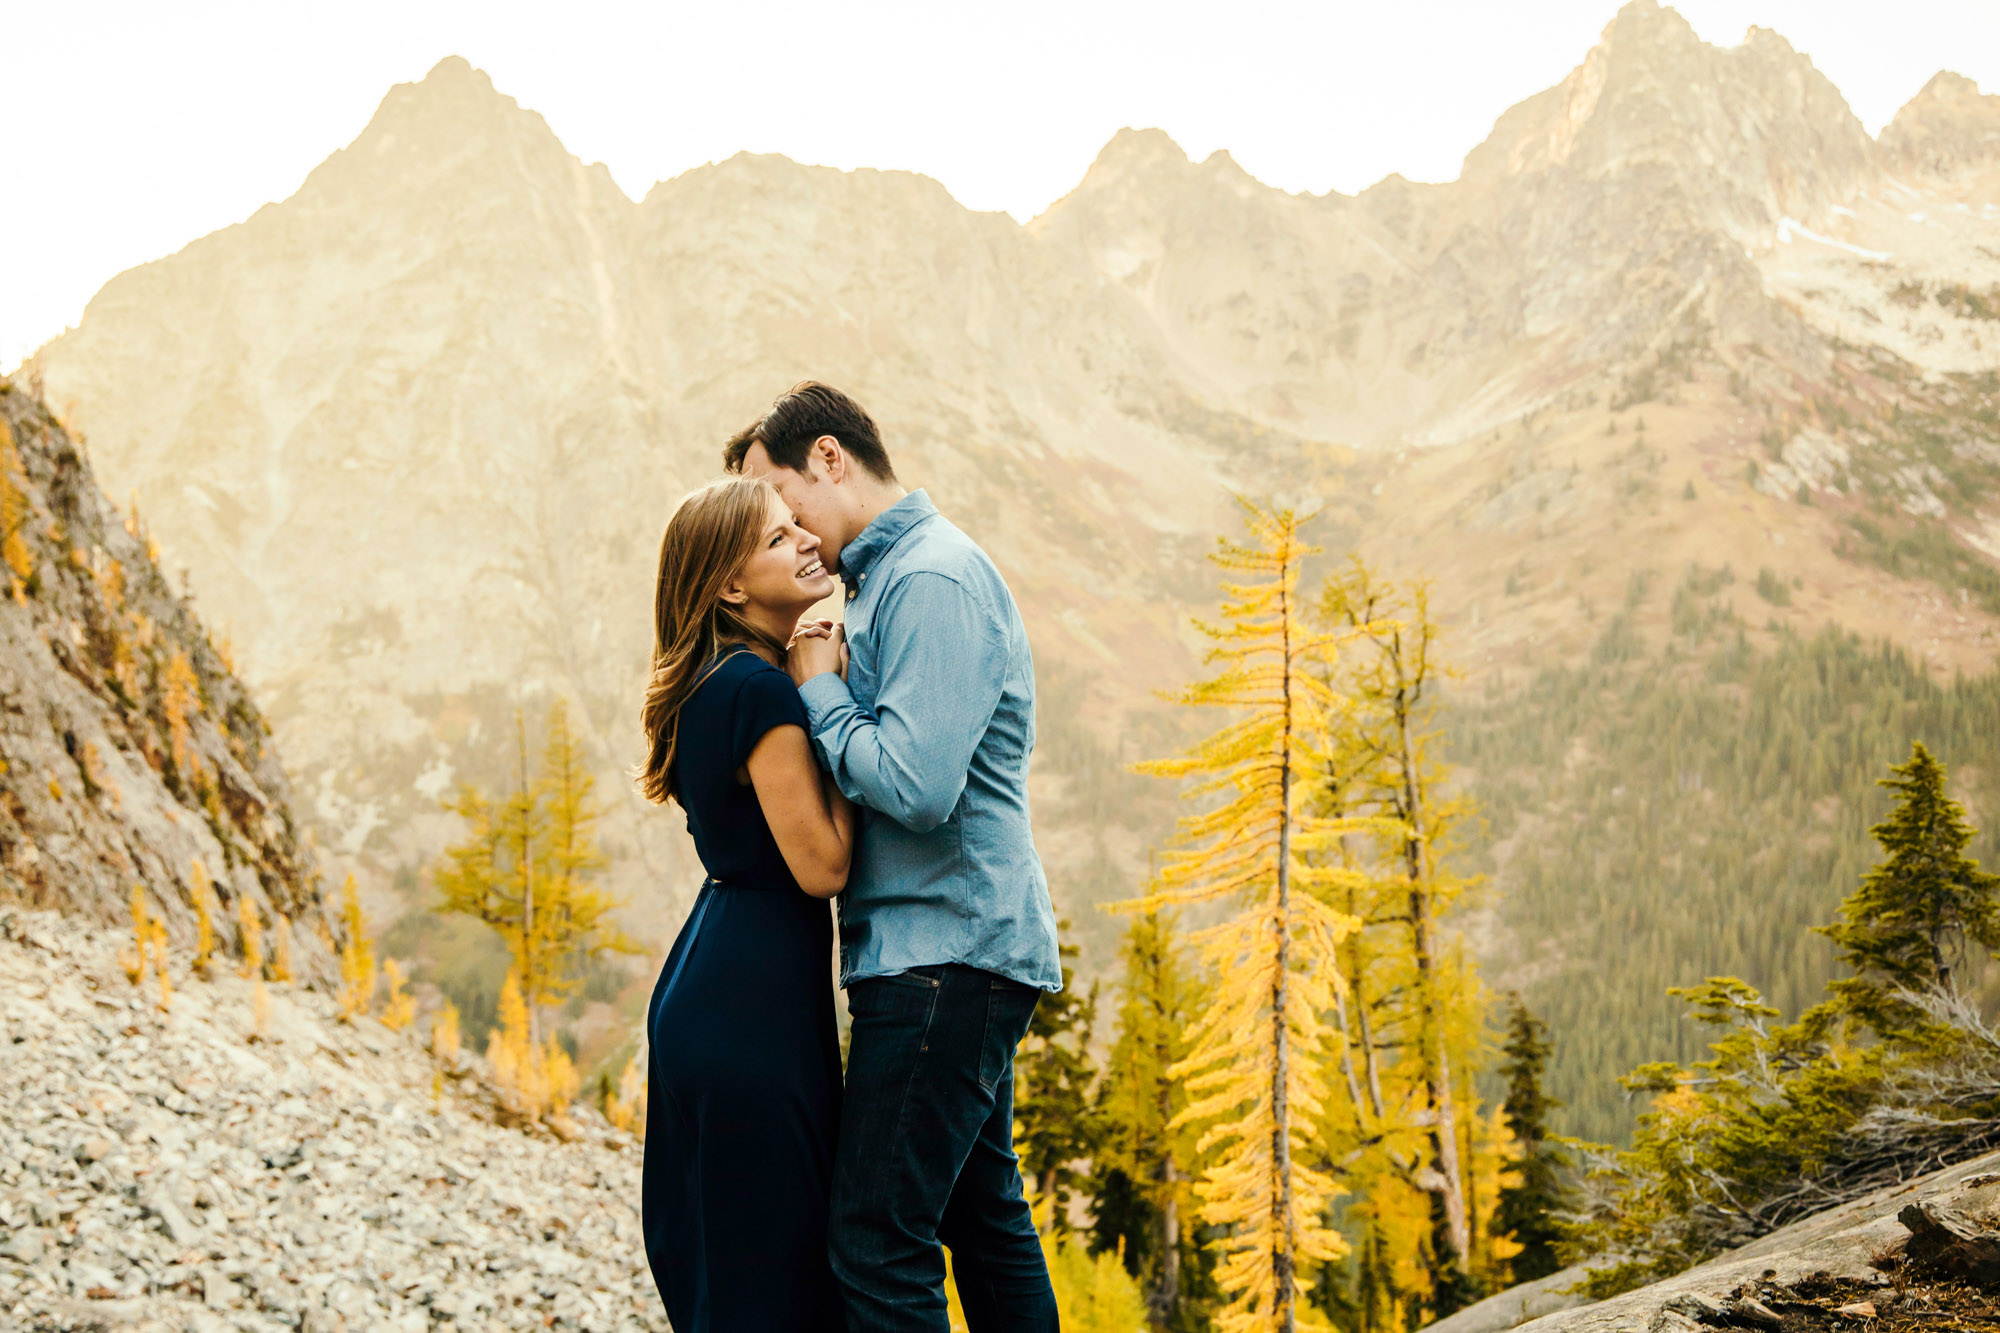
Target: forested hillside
point(1678, 809)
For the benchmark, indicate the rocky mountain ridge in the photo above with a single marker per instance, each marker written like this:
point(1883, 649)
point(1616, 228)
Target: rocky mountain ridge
point(413, 430)
point(131, 757)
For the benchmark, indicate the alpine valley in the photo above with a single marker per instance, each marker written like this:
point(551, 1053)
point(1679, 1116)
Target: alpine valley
point(1685, 394)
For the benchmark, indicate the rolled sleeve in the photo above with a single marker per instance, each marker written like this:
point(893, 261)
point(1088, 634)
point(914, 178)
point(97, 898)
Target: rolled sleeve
point(941, 666)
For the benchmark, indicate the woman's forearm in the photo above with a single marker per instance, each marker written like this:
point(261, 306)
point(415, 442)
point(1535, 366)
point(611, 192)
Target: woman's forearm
point(841, 811)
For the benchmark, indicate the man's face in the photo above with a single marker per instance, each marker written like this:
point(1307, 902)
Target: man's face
point(813, 497)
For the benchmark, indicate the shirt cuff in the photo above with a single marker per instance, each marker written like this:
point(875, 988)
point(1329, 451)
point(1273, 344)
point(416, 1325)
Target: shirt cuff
point(824, 695)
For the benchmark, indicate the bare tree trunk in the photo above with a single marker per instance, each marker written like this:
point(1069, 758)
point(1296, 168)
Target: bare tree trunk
point(1369, 1063)
point(1471, 1196)
point(1450, 1188)
point(1169, 1295)
point(1347, 1052)
point(527, 885)
point(1283, 1257)
point(1355, 988)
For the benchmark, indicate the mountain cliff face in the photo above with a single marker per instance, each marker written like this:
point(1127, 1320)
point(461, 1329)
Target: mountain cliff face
point(130, 754)
point(1598, 221)
point(1947, 130)
point(414, 430)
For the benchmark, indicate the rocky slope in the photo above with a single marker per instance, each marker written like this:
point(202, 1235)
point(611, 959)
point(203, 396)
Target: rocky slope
point(181, 1171)
point(130, 754)
point(1842, 1267)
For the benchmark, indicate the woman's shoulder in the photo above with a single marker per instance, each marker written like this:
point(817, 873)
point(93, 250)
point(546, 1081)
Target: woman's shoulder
point(739, 673)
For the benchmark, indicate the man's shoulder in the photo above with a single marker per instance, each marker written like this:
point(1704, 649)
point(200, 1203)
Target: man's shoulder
point(940, 546)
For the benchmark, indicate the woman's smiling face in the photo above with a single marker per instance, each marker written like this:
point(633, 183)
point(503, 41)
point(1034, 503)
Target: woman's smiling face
point(784, 573)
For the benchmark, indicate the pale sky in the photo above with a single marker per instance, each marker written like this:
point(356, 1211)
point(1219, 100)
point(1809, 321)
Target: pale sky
point(131, 128)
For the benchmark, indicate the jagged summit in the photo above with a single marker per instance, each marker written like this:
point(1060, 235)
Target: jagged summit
point(1647, 24)
point(1744, 126)
point(1135, 154)
point(1948, 127)
point(453, 83)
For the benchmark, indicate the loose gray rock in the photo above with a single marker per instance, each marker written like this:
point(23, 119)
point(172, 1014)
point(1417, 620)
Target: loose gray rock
point(161, 1173)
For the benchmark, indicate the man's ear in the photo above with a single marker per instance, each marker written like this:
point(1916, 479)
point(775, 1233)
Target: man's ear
point(831, 457)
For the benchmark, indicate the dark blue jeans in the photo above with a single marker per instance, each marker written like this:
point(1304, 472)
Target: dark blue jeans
point(926, 1156)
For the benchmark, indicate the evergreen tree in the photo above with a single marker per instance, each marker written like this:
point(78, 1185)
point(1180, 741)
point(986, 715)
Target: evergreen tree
point(1912, 921)
point(1144, 1158)
point(526, 869)
point(1531, 1202)
point(1055, 1123)
point(1256, 1071)
point(1386, 764)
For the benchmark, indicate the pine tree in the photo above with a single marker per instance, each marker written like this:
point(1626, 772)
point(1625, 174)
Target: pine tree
point(1143, 1161)
point(526, 868)
point(1393, 680)
point(181, 698)
point(1055, 1124)
point(1909, 925)
point(202, 890)
point(15, 511)
point(1530, 1204)
point(1256, 1068)
point(357, 956)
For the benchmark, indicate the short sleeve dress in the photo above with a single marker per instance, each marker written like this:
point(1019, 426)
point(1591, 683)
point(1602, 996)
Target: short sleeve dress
point(743, 1089)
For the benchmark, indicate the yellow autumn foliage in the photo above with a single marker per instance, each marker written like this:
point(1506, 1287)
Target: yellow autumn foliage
point(626, 1107)
point(203, 893)
point(399, 1007)
point(445, 1033)
point(357, 956)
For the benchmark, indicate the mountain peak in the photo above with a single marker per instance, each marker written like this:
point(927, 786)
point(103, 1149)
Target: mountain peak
point(1755, 129)
point(455, 88)
point(449, 120)
point(1647, 23)
point(1948, 126)
point(454, 70)
point(1141, 151)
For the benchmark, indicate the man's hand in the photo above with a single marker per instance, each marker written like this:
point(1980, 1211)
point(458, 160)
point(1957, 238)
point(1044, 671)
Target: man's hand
point(819, 647)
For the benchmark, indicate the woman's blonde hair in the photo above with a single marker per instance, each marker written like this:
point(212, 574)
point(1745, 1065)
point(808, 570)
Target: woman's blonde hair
point(710, 536)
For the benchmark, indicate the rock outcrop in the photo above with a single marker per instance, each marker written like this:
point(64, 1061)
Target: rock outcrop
point(130, 754)
point(1847, 1256)
point(1948, 130)
point(180, 1171)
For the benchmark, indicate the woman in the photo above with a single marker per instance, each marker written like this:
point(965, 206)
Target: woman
point(743, 1093)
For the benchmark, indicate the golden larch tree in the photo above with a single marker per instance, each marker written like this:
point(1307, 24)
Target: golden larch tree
point(1256, 1071)
point(15, 512)
point(1426, 1008)
point(527, 869)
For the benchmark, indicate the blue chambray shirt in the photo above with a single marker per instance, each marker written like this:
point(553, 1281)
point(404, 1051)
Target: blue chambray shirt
point(930, 735)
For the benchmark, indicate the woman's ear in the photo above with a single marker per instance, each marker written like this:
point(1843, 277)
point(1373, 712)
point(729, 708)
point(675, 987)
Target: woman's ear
point(734, 595)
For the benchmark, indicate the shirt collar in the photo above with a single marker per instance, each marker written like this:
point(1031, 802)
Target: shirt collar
point(883, 531)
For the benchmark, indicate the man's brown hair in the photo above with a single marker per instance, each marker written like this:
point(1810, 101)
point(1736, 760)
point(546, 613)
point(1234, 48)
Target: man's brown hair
point(801, 415)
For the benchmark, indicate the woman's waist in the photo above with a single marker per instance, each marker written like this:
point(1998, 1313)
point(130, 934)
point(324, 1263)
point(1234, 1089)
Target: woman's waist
point(752, 883)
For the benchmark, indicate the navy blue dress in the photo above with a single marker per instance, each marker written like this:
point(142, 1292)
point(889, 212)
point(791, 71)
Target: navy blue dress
point(743, 1090)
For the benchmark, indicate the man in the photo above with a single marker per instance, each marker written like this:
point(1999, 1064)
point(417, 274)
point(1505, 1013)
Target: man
point(947, 935)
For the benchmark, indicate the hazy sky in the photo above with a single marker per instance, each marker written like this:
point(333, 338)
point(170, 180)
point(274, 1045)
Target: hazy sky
point(132, 128)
